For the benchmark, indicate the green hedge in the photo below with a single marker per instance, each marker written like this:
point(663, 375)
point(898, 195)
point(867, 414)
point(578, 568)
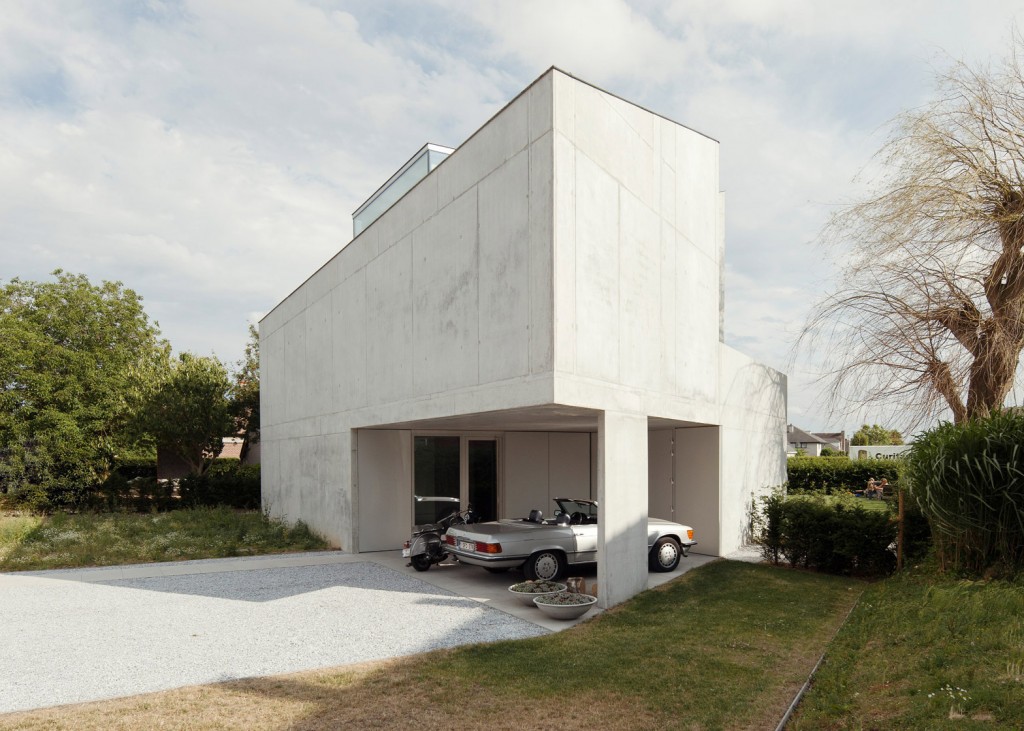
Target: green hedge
point(969, 480)
point(834, 535)
point(226, 482)
point(831, 474)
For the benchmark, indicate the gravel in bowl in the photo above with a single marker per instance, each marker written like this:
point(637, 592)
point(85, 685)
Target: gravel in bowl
point(527, 591)
point(565, 605)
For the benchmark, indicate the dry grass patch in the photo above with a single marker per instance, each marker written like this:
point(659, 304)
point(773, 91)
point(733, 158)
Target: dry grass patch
point(724, 646)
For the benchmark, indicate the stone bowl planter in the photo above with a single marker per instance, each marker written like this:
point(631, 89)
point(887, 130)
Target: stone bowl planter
point(565, 606)
point(527, 591)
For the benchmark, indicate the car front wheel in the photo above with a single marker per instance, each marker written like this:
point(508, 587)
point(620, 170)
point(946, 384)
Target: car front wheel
point(665, 554)
point(545, 566)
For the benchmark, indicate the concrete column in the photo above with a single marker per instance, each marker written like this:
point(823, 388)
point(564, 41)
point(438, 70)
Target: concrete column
point(622, 497)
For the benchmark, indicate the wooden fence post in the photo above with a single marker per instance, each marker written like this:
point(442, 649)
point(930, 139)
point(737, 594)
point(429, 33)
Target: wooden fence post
point(899, 534)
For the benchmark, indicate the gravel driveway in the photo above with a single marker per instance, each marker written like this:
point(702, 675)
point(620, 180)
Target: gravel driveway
point(69, 637)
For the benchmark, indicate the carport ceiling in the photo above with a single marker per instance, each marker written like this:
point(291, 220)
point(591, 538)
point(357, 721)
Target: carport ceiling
point(532, 418)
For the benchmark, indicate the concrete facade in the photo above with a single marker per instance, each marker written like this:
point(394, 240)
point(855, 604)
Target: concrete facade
point(554, 285)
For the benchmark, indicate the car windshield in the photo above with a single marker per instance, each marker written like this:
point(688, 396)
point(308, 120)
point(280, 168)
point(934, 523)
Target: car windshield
point(587, 507)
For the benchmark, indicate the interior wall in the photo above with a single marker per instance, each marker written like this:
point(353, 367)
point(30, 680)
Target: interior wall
point(540, 466)
point(696, 472)
point(384, 500)
point(660, 478)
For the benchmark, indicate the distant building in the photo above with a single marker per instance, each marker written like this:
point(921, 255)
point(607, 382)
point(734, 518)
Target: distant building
point(837, 440)
point(798, 440)
point(878, 451)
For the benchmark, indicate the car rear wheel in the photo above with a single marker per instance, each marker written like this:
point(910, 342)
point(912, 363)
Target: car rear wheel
point(665, 554)
point(545, 566)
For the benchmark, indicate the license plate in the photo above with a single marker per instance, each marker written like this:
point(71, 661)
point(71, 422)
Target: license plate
point(467, 546)
point(406, 552)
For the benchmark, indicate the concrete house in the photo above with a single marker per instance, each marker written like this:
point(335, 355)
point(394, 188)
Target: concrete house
point(539, 315)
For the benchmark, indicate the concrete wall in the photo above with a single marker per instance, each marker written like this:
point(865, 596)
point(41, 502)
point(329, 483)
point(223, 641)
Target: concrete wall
point(697, 470)
point(443, 305)
point(637, 241)
point(540, 466)
point(753, 435)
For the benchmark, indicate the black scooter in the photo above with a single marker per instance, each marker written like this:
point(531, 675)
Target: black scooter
point(427, 546)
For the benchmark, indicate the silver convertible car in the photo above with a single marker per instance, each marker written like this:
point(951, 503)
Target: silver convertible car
point(545, 548)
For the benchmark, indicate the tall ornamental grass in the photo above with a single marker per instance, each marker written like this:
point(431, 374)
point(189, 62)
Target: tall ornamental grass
point(969, 480)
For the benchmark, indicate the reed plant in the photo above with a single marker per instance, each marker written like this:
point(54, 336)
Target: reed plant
point(968, 479)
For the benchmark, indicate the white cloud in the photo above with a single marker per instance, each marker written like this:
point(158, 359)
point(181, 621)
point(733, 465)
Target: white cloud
point(209, 153)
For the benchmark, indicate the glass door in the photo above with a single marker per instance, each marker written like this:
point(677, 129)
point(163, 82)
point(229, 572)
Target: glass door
point(482, 477)
point(436, 473)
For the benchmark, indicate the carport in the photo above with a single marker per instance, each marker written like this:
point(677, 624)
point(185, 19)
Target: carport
point(510, 462)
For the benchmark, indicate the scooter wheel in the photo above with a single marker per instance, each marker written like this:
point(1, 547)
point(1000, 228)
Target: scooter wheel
point(420, 562)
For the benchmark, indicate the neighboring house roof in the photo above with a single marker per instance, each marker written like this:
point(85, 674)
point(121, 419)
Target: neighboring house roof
point(795, 435)
point(836, 438)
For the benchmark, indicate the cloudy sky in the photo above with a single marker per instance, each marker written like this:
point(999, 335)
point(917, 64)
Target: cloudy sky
point(209, 153)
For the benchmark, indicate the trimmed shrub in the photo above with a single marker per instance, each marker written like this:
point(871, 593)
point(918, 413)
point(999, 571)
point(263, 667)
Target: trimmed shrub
point(833, 475)
point(969, 481)
point(226, 482)
point(132, 467)
point(834, 535)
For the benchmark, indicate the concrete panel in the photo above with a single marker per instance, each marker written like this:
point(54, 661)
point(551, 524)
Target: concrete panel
point(320, 357)
point(697, 495)
point(503, 137)
point(349, 339)
point(445, 280)
point(643, 338)
point(541, 260)
point(384, 477)
point(563, 106)
point(622, 149)
point(389, 318)
point(569, 465)
point(336, 485)
point(697, 190)
point(597, 272)
point(564, 255)
point(323, 280)
point(272, 391)
point(504, 277)
point(622, 495)
point(358, 253)
point(525, 463)
point(660, 479)
point(297, 402)
point(539, 97)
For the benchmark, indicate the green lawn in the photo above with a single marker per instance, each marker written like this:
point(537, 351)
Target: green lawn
point(106, 539)
point(924, 651)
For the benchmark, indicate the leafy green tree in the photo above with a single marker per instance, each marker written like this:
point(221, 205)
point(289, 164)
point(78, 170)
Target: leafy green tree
point(71, 357)
point(186, 409)
point(876, 435)
point(245, 393)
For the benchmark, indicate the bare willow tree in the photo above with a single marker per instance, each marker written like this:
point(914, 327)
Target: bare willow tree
point(928, 314)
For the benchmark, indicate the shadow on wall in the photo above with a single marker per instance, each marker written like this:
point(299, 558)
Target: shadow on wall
point(761, 392)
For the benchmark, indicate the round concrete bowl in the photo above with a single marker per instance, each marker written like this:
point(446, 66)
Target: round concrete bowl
point(565, 611)
point(527, 597)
